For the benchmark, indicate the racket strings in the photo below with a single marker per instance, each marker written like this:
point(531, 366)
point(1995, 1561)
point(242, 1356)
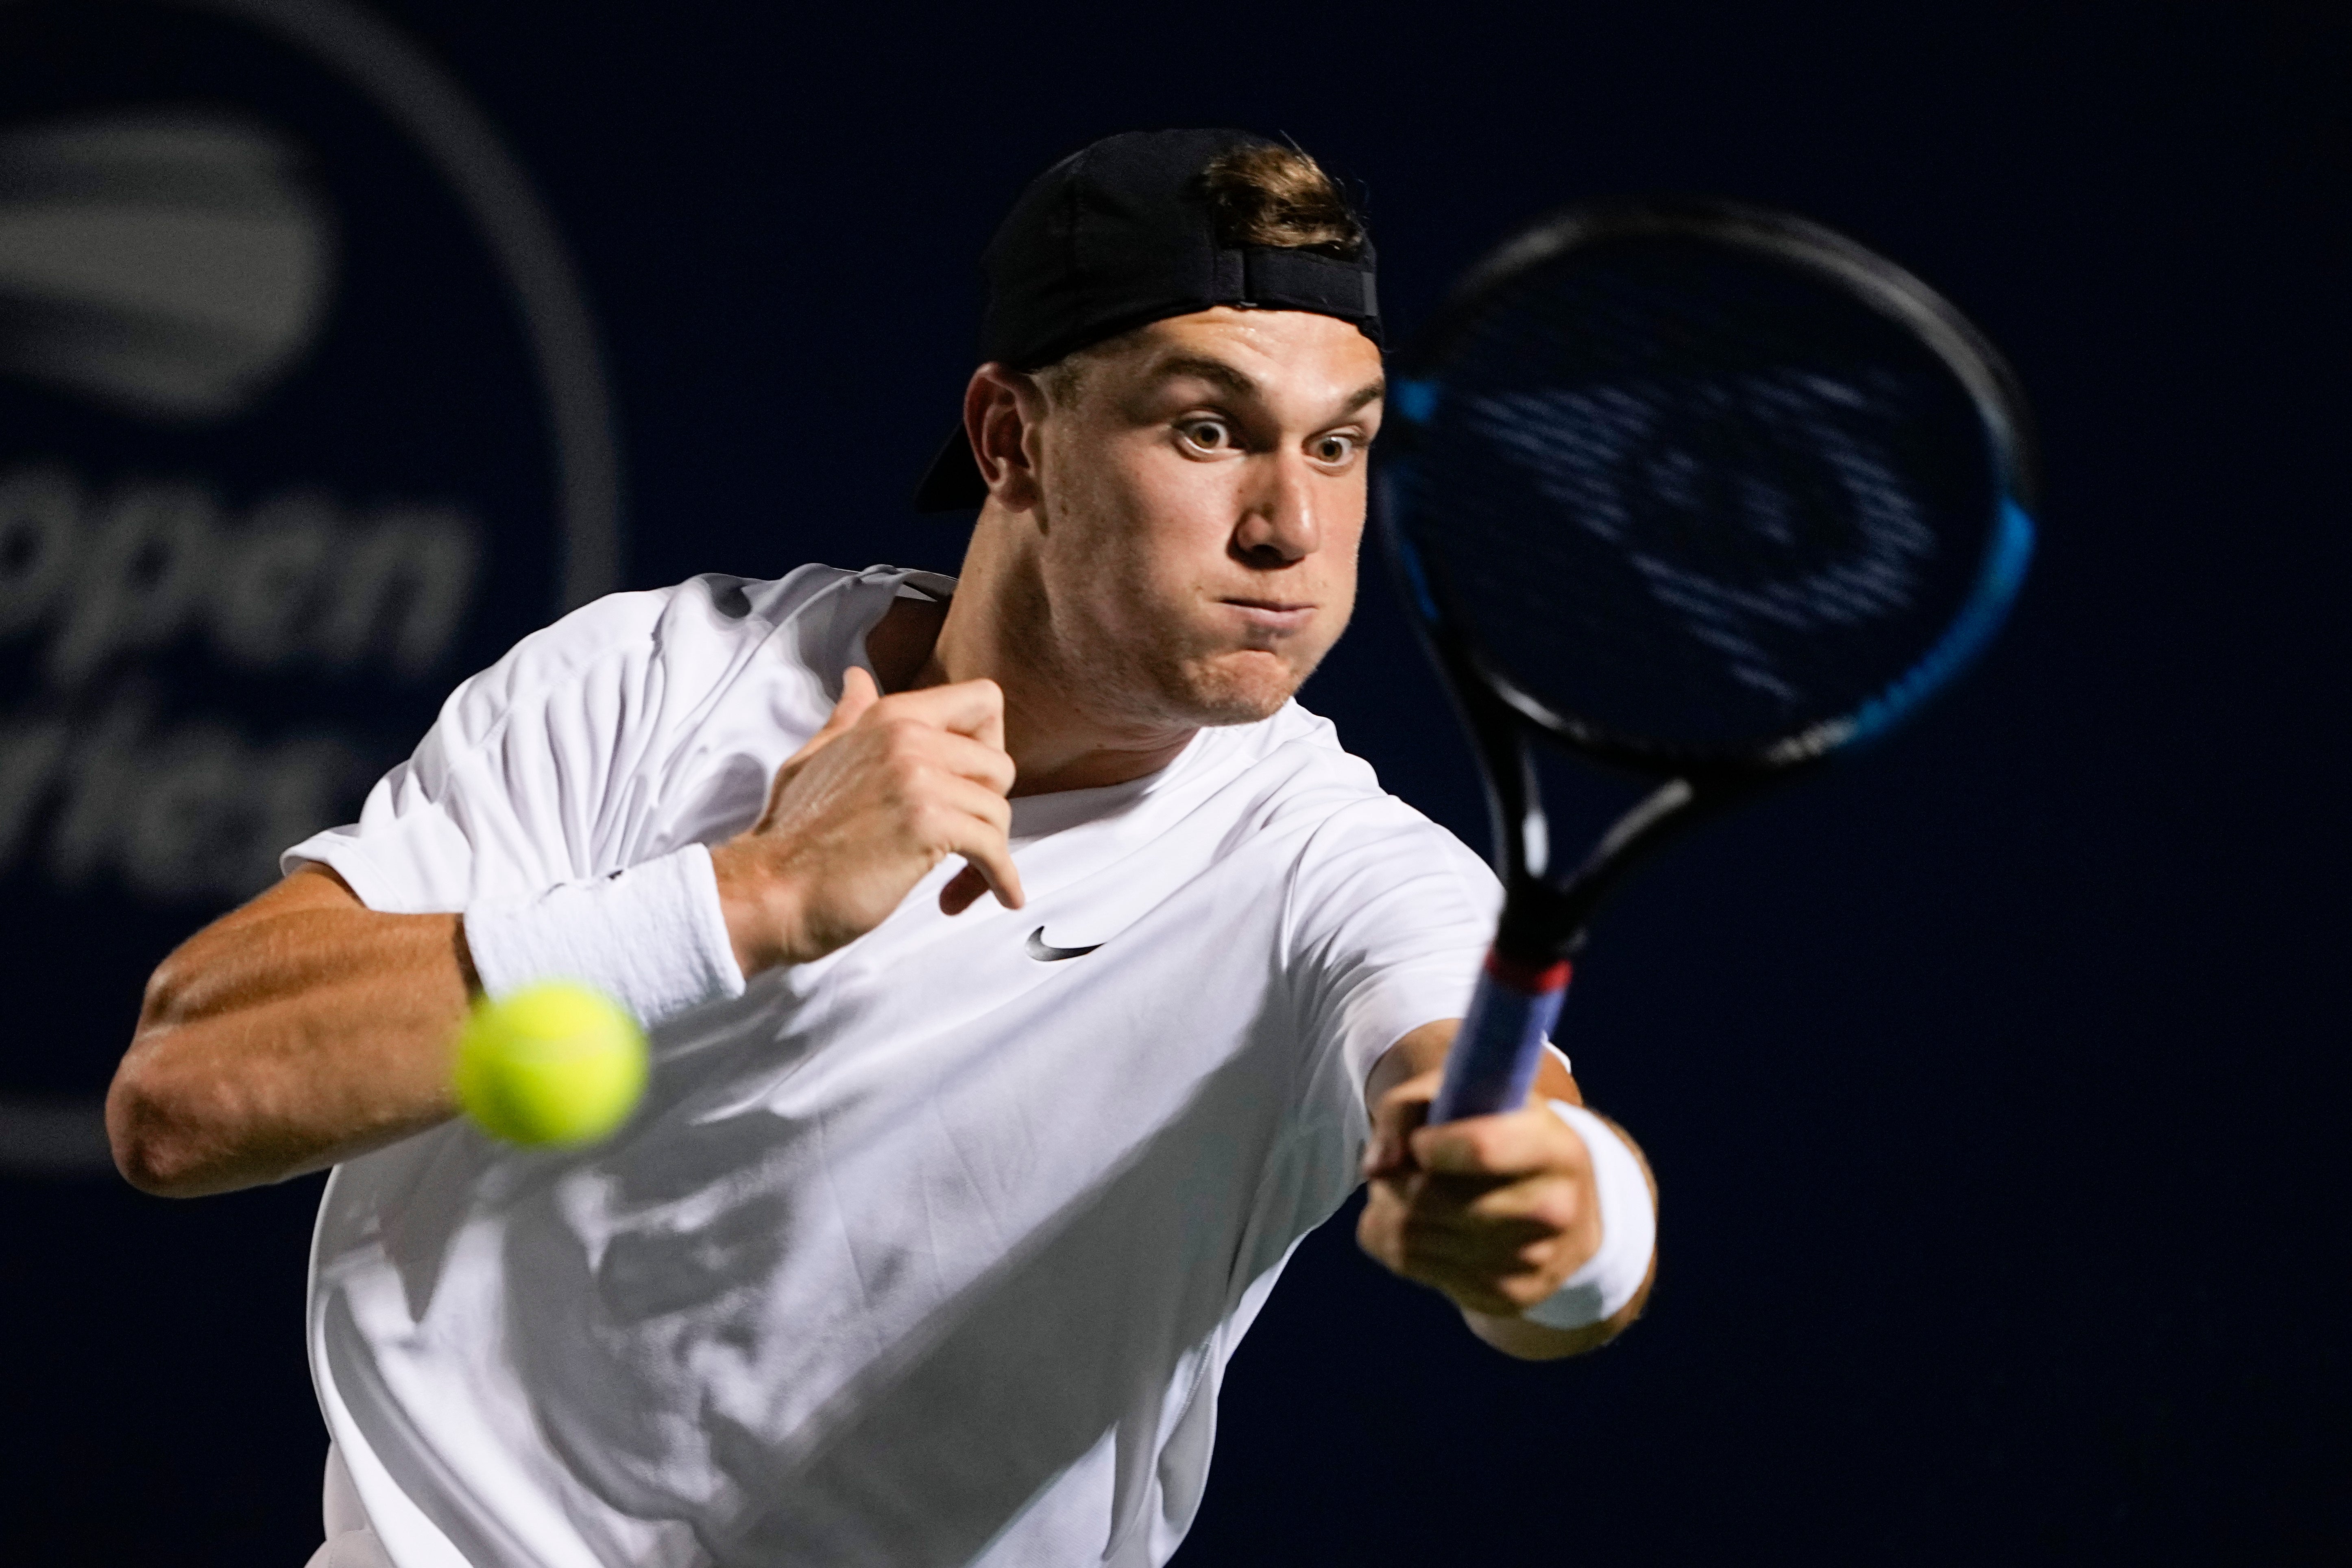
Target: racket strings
point(1696, 495)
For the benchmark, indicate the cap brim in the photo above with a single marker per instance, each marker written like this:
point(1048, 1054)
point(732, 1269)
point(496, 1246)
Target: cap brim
point(954, 481)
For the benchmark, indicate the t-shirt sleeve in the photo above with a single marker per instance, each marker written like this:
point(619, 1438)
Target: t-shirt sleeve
point(1391, 918)
point(532, 775)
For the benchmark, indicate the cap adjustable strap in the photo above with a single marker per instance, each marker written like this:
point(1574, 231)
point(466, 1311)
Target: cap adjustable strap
point(1298, 280)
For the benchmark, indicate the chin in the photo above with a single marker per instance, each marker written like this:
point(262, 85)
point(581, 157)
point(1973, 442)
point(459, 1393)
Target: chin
point(1239, 689)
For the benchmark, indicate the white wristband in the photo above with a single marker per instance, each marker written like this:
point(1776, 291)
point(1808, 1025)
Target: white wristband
point(1629, 1231)
point(652, 937)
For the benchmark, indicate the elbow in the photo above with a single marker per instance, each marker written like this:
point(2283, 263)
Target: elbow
point(155, 1115)
point(138, 1132)
point(150, 1129)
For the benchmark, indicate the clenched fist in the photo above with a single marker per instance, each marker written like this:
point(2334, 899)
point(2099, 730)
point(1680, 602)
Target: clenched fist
point(1495, 1211)
point(890, 787)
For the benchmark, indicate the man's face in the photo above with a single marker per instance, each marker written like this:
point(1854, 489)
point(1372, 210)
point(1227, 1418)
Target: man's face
point(1201, 498)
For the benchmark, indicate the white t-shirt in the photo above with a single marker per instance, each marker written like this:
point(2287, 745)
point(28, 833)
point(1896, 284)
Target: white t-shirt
point(929, 1253)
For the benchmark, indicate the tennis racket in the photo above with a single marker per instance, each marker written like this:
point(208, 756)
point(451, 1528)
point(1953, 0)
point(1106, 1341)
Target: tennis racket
point(1701, 493)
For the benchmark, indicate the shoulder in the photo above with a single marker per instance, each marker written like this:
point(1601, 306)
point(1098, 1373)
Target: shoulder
point(1334, 803)
point(688, 634)
point(1384, 911)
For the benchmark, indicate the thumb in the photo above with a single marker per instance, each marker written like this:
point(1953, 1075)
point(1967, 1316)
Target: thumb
point(858, 693)
point(1400, 1115)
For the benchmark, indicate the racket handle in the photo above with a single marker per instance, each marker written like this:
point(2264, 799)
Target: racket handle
point(1493, 1063)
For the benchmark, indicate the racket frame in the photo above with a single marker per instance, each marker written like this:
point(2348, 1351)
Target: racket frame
point(1544, 915)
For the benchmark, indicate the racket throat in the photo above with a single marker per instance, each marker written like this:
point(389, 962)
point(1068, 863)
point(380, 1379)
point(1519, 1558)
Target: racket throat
point(1544, 918)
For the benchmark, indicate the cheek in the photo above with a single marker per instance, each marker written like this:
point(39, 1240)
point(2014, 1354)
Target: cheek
point(1342, 520)
point(1186, 506)
point(1154, 526)
point(1343, 533)
point(1100, 553)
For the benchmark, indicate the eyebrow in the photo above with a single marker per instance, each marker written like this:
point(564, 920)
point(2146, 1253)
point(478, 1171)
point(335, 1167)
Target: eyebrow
point(1217, 373)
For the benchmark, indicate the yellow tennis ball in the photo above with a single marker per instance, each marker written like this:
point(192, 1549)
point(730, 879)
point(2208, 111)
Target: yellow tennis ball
point(555, 1064)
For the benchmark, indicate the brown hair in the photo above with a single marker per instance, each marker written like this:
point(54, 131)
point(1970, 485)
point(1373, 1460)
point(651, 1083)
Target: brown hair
point(1273, 195)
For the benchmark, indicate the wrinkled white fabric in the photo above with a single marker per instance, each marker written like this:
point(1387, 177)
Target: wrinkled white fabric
point(926, 1254)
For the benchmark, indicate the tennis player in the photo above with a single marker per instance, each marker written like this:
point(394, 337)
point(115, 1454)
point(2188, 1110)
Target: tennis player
point(1026, 972)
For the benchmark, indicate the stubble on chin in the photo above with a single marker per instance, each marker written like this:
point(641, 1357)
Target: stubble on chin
point(1234, 688)
point(1197, 677)
point(1175, 676)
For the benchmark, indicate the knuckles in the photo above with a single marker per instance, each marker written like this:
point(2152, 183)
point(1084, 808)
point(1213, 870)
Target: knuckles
point(931, 825)
point(903, 775)
point(1558, 1211)
point(1520, 1142)
point(1496, 1224)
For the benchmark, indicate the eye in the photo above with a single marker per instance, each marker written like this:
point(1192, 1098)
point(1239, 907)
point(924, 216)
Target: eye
point(1209, 434)
point(1334, 449)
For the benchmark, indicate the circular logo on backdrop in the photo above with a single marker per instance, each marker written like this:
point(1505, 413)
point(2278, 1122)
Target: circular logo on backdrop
point(301, 420)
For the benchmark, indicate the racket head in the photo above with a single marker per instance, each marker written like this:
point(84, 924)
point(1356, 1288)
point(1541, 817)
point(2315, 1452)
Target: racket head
point(1704, 489)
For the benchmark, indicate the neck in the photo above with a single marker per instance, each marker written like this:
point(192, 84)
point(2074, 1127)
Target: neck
point(998, 627)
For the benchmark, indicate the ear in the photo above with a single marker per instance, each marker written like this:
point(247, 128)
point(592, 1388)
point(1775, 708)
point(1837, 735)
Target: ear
point(1002, 409)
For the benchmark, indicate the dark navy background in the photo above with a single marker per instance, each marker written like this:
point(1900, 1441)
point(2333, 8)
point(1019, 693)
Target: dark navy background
point(1995, 1085)
point(419, 390)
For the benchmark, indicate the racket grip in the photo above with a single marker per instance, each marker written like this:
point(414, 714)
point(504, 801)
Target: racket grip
point(1493, 1063)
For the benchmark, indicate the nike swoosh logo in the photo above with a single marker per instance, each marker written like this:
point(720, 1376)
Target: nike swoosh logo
point(1045, 953)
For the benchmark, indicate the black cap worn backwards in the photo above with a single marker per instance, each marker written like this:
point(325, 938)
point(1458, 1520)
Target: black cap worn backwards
point(1118, 234)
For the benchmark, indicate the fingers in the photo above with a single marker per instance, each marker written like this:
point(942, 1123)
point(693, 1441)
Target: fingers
point(959, 730)
point(1494, 1249)
point(885, 751)
point(1494, 1211)
point(1401, 1112)
point(1517, 1143)
point(888, 788)
point(1490, 1252)
point(974, 823)
point(910, 733)
point(974, 708)
point(965, 720)
point(1485, 1211)
point(982, 763)
point(963, 890)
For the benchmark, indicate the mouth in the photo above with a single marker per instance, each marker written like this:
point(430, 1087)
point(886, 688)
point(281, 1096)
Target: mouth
point(1271, 614)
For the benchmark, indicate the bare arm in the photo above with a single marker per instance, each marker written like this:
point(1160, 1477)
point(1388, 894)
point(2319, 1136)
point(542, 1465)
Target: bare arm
point(1495, 1211)
point(300, 1030)
point(306, 1028)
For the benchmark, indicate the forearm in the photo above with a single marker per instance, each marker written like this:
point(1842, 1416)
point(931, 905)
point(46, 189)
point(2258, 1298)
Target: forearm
point(299, 1031)
point(306, 1028)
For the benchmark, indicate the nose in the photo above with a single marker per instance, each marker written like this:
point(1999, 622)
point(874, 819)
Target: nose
point(1278, 524)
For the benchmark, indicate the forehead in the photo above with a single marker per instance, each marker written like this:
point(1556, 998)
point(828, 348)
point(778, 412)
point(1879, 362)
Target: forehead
point(1277, 353)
